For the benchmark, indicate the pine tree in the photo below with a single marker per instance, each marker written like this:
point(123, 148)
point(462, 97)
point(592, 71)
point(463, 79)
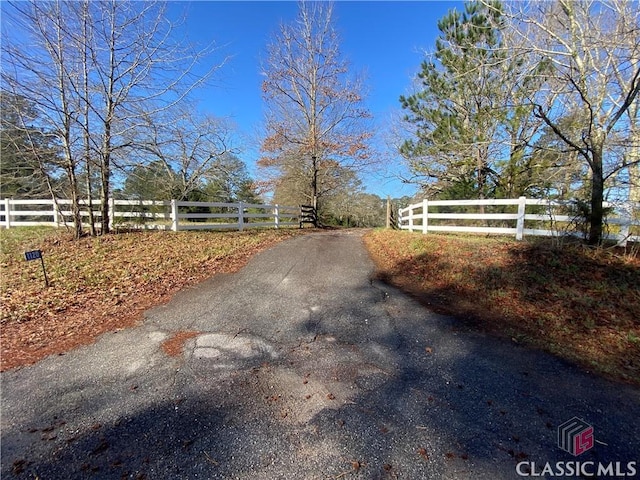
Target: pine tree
point(457, 112)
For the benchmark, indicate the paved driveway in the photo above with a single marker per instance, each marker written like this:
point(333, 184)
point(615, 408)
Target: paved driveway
point(302, 367)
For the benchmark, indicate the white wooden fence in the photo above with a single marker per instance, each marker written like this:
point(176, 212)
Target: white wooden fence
point(417, 217)
point(150, 214)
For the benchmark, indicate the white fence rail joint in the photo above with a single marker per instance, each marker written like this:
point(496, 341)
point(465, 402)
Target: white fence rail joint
point(548, 221)
point(151, 214)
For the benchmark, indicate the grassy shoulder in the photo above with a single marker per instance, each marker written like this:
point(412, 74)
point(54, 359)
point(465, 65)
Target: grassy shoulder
point(578, 303)
point(105, 283)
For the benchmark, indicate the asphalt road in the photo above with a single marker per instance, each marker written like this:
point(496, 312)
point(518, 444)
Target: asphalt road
point(303, 367)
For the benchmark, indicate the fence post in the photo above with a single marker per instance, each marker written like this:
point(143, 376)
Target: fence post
point(411, 218)
point(54, 206)
point(522, 208)
point(7, 212)
point(174, 215)
point(388, 222)
point(623, 236)
point(112, 212)
point(277, 216)
point(425, 215)
point(240, 216)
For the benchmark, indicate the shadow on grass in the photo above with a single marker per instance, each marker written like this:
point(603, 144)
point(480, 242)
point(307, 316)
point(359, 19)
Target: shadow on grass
point(404, 394)
point(427, 402)
point(580, 304)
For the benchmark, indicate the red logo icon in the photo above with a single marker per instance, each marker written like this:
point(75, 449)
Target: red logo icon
point(575, 436)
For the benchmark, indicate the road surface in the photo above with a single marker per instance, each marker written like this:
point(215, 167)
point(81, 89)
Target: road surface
point(301, 366)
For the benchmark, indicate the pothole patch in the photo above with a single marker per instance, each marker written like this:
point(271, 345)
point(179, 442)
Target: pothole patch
point(225, 351)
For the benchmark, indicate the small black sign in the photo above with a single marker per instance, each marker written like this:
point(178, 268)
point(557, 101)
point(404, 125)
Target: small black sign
point(33, 255)
point(37, 255)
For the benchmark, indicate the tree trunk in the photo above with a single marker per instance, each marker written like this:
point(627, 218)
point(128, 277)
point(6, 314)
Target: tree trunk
point(75, 201)
point(87, 130)
point(596, 219)
point(634, 190)
point(104, 196)
point(634, 156)
point(92, 220)
point(314, 187)
point(105, 180)
point(482, 175)
point(89, 188)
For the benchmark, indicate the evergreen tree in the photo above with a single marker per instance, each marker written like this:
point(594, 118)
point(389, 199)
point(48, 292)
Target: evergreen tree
point(149, 182)
point(229, 181)
point(28, 167)
point(457, 113)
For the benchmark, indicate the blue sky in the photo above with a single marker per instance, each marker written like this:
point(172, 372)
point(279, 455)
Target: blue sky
point(385, 40)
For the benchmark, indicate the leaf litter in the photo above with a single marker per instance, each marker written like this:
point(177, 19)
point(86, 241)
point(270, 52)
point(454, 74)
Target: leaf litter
point(102, 284)
point(579, 303)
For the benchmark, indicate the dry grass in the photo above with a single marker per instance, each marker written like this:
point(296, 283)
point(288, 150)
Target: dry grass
point(103, 284)
point(578, 303)
point(581, 304)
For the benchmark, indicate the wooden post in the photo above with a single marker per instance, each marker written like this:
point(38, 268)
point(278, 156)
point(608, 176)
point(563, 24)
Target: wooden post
point(316, 220)
point(112, 212)
point(623, 236)
point(7, 212)
point(522, 208)
point(240, 216)
point(411, 218)
point(388, 225)
point(56, 221)
point(174, 215)
point(425, 216)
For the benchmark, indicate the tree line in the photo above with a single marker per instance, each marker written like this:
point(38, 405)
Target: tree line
point(97, 103)
point(530, 98)
point(523, 98)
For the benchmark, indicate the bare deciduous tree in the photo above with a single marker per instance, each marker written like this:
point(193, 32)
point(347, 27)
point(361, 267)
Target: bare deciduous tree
point(137, 71)
point(44, 74)
point(191, 148)
point(96, 71)
point(593, 50)
point(315, 110)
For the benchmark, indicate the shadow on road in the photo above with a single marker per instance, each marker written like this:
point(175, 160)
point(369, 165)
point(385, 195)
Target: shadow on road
point(362, 383)
point(577, 304)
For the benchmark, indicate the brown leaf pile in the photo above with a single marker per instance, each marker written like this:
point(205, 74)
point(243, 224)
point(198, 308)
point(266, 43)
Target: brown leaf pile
point(103, 284)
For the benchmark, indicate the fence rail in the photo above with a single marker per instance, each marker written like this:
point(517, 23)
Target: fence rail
point(150, 214)
point(547, 221)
